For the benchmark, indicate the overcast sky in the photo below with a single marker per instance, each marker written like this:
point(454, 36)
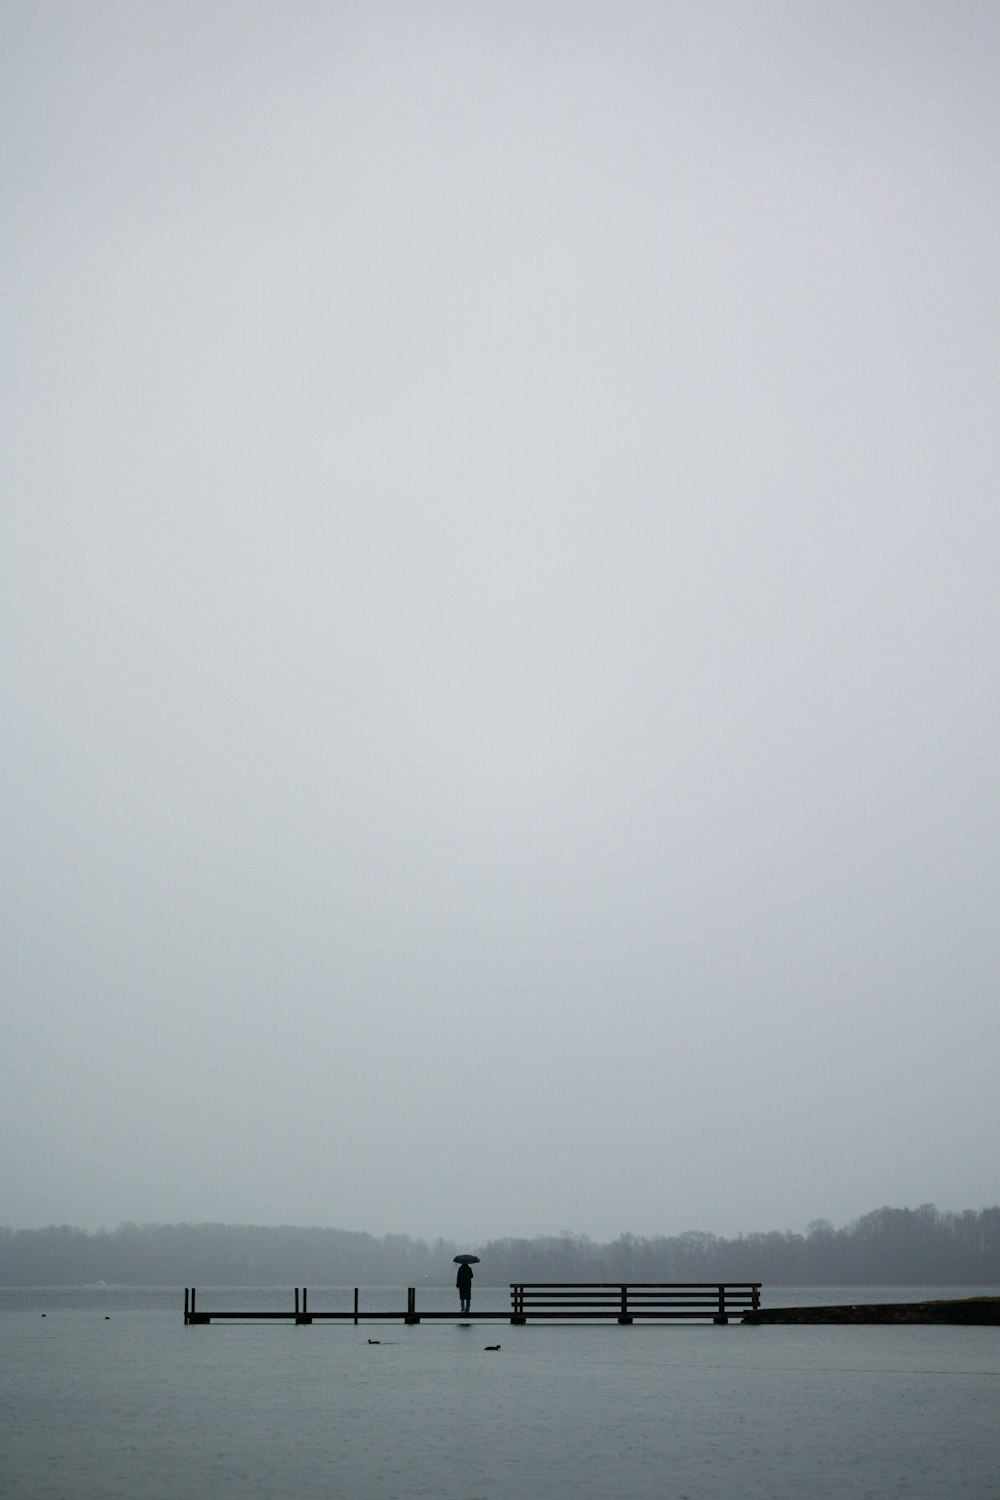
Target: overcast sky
point(499, 584)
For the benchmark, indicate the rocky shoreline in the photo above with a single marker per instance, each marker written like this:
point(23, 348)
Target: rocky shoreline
point(978, 1310)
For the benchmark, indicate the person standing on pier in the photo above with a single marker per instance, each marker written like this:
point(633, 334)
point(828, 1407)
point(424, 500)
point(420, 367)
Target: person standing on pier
point(464, 1283)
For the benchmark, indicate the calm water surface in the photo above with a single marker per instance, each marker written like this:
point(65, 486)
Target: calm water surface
point(110, 1395)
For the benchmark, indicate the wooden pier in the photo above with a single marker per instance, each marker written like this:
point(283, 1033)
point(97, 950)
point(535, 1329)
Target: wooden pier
point(542, 1301)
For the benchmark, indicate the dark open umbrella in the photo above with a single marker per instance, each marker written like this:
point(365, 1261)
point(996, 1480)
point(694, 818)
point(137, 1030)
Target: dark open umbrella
point(466, 1260)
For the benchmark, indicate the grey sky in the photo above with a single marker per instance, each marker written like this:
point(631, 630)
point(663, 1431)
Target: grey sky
point(500, 613)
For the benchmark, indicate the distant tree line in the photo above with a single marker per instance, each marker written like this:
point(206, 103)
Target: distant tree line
point(892, 1246)
point(217, 1255)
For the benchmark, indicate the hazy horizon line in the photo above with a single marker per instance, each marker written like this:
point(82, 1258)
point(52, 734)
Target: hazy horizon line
point(571, 1234)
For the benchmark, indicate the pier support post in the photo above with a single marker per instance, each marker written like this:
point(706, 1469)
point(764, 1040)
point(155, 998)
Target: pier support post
point(192, 1315)
point(411, 1305)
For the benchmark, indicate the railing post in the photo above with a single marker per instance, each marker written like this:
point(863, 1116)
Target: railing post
point(721, 1318)
point(623, 1316)
point(755, 1299)
point(355, 1306)
point(517, 1299)
point(296, 1302)
point(411, 1305)
point(186, 1295)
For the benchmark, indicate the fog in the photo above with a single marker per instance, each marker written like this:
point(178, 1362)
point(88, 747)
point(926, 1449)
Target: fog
point(500, 614)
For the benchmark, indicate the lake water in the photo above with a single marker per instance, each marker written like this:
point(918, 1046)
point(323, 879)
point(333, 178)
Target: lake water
point(110, 1395)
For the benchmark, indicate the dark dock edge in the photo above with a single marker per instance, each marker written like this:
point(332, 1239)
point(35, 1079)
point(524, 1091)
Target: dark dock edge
point(981, 1311)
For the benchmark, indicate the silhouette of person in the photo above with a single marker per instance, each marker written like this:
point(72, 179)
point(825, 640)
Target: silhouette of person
point(464, 1283)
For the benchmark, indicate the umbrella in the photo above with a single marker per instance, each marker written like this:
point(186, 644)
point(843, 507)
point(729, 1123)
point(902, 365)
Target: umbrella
point(466, 1260)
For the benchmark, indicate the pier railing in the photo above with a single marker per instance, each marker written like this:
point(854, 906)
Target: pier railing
point(627, 1300)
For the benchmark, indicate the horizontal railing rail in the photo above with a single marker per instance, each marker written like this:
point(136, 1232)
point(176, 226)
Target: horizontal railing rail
point(627, 1300)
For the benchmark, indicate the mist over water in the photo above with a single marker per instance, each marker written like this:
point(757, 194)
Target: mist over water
point(498, 654)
